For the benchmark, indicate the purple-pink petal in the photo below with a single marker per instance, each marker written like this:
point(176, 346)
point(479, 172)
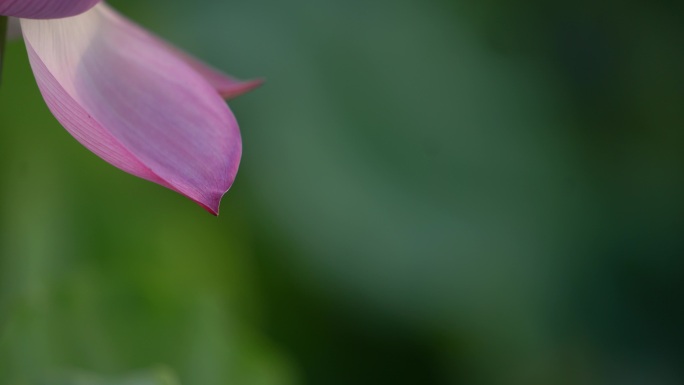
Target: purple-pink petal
point(227, 86)
point(134, 103)
point(44, 9)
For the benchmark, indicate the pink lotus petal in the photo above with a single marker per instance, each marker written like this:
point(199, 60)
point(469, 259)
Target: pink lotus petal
point(227, 86)
point(132, 102)
point(44, 9)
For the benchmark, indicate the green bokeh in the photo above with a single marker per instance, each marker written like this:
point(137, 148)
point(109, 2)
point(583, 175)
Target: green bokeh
point(432, 192)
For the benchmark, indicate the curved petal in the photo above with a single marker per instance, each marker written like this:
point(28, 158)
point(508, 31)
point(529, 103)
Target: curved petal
point(135, 104)
point(44, 9)
point(227, 86)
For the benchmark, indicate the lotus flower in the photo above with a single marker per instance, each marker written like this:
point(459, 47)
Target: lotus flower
point(132, 99)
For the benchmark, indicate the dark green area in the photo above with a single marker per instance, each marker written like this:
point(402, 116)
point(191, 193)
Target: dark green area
point(3, 38)
point(432, 192)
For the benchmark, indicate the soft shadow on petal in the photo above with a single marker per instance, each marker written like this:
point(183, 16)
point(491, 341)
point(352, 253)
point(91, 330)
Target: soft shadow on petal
point(131, 101)
point(13, 29)
point(44, 9)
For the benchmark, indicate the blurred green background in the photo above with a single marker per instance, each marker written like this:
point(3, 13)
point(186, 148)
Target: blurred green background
point(432, 192)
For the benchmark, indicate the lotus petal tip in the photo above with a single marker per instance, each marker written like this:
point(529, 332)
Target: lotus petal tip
point(211, 203)
point(236, 89)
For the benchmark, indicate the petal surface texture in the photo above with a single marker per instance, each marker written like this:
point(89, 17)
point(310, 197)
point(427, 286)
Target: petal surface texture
point(45, 9)
point(134, 103)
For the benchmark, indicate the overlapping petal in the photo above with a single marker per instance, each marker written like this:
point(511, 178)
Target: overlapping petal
point(45, 9)
point(133, 102)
